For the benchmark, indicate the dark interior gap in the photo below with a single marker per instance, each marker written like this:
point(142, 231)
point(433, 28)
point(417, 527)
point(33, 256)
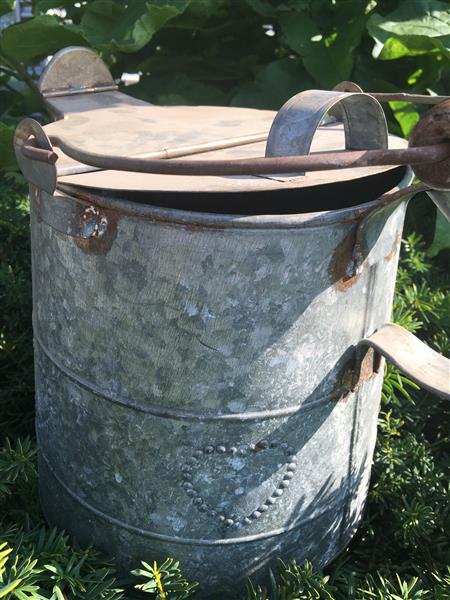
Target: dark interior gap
point(331, 196)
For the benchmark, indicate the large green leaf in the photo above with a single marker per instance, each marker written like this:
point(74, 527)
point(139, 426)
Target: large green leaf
point(273, 85)
point(36, 38)
point(326, 40)
point(177, 89)
point(196, 15)
point(129, 28)
point(406, 114)
point(416, 27)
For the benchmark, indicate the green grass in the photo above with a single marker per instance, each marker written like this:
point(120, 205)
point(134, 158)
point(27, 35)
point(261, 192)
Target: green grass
point(402, 549)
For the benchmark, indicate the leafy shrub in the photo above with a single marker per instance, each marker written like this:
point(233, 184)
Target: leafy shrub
point(253, 53)
point(241, 52)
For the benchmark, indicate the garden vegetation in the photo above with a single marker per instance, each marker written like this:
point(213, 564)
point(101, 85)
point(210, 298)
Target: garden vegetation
point(249, 53)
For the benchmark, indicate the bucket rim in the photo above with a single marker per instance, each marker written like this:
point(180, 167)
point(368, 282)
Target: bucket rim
point(188, 218)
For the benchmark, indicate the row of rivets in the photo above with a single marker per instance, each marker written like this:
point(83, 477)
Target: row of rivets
point(203, 506)
point(262, 445)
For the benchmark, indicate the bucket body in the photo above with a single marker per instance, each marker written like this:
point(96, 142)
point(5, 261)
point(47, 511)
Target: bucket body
point(192, 375)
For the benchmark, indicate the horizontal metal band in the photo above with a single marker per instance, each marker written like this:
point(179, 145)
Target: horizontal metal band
point(172, 413)
point(175, 539)
point(107, 87)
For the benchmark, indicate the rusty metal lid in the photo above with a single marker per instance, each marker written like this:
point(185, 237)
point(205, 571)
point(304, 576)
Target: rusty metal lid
point(94, 117)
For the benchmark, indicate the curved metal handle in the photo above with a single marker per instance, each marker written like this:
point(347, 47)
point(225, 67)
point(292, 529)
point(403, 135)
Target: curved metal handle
point(39, 169)
point(414, 358)
point(296, 122)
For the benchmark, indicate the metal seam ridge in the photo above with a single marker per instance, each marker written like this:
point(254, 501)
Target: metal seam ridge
point(173, 413)
point(174, 539)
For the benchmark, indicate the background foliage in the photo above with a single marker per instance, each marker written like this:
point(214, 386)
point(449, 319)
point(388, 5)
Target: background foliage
point(240, 52)
point(250, 53)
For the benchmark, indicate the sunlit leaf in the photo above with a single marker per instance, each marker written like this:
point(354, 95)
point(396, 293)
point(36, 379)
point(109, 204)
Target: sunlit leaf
point(326, 43)
point(416, 27)
point(127, 28)
point(38, 37)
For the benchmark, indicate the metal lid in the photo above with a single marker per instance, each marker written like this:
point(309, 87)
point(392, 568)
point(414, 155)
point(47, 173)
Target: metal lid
point(96, 118)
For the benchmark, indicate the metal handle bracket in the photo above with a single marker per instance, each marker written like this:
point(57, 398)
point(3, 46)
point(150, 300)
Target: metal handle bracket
point(414, 358)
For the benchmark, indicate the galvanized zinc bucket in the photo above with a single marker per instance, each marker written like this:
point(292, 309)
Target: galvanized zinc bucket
point(208, 348)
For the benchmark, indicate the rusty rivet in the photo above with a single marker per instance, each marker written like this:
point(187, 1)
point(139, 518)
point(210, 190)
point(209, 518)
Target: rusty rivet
point(93, 223)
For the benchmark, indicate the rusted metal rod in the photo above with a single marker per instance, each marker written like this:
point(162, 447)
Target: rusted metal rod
point(257, 166)
point(40, 154)
point(403, 97)
point(351, 86)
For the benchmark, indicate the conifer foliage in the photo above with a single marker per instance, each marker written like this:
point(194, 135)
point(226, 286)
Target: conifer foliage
point(400, 552)
point(244, 53)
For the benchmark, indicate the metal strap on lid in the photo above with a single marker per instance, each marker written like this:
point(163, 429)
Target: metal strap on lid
point(75, 70)
point(297, 121)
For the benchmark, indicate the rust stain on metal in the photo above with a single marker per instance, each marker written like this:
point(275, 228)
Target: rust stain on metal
point(346, 383)
point(35, 197)
point(341, 269)
point(343, 159)
point(92, 198)
point(433, 129)
point(354, 376)
point(98, 230)
point(394, 249)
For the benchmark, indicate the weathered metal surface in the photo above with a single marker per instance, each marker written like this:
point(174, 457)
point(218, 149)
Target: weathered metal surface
point(110, 122)
point(433, 128)
point(293, 128)
point(436, 154)
point(75, 70)
point(420, 362)
point(183, 366)
point(41, 173)
point(201, 390)
point(329, 137)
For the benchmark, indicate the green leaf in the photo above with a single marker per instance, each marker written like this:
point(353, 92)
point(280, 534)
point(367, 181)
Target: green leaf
point(262, 7)
point(6, 6)
point(418, 27)
point(38, 37)
point(274, 84)
point(178, 89)
point(129, 28)
point(326, 41)
point(7, 155)
point(406, 114)
point(441, 239)
point(197, 13)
